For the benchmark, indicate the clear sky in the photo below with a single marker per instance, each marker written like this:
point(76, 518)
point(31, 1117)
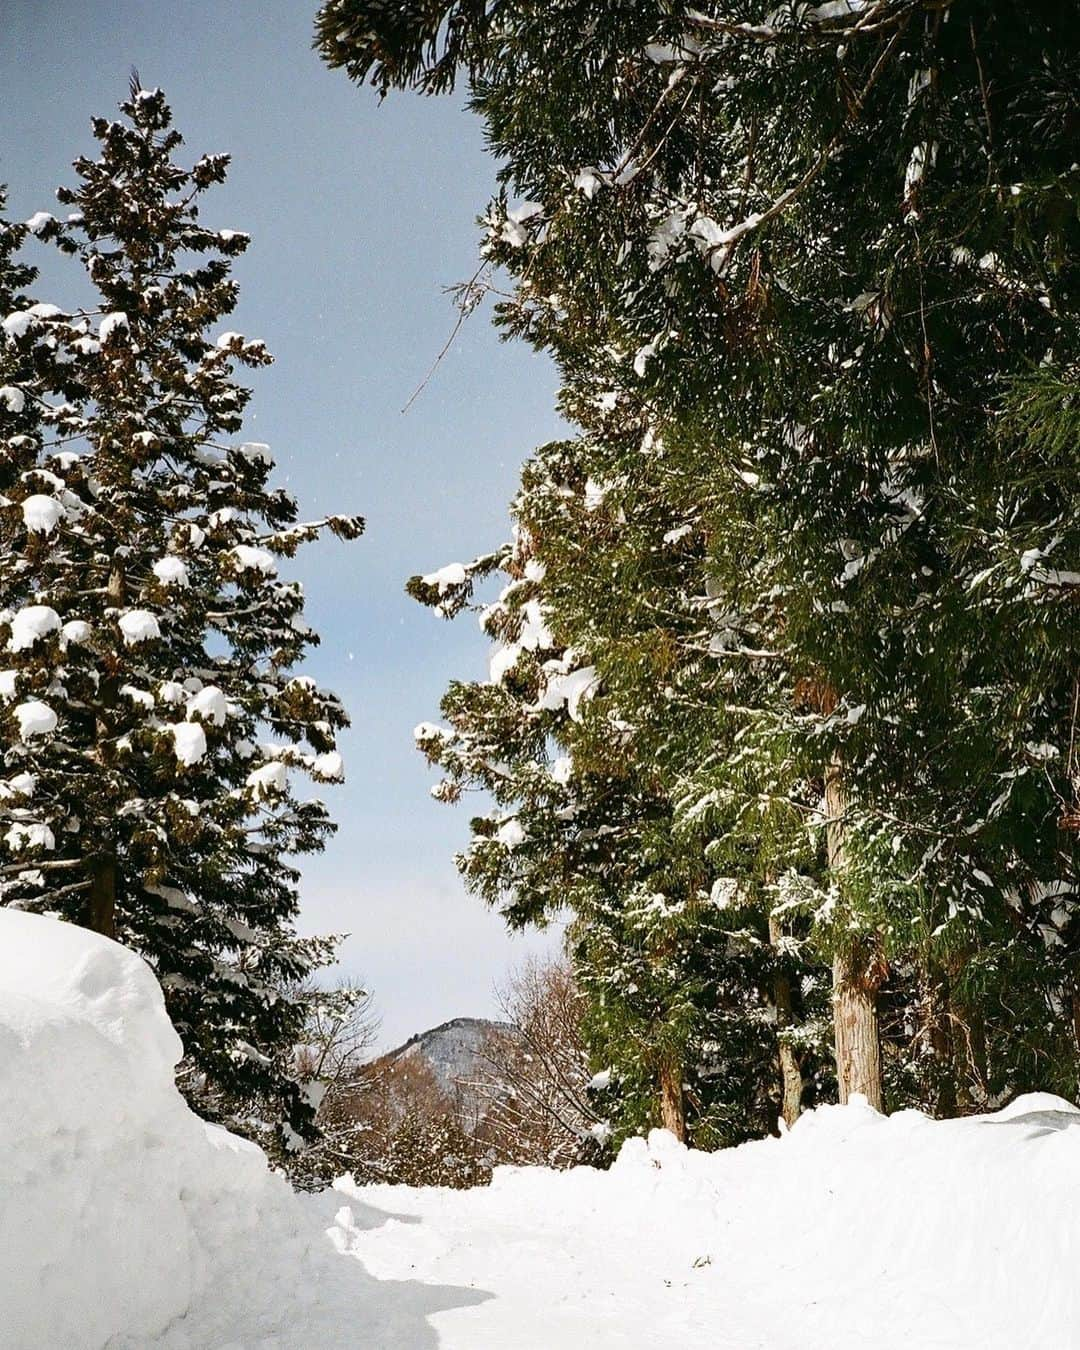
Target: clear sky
point(360, 214)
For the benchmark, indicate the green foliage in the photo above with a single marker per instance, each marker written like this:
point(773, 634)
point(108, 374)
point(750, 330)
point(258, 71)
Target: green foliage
point(809, 274)
point(580, 760)
point(151, 713)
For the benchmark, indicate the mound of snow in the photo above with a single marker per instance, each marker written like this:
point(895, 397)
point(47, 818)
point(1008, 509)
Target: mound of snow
point(128, 1223)
point(171, 570)
point(41, 514)
point(119, 1209)
point(30, 623)
point(35, 719)
point(139, 625)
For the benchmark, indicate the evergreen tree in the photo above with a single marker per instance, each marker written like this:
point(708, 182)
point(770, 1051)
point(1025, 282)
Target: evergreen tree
point(153, 718)
point(829, 246)
point(20, 414)
point(670, 942)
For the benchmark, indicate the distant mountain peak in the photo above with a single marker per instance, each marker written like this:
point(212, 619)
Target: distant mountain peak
point(455, 1052)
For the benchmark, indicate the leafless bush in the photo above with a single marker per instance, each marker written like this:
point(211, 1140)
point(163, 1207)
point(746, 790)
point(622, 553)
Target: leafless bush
point(536, 1076)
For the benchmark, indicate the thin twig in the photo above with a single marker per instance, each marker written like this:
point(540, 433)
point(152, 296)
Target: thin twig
point(464, 310)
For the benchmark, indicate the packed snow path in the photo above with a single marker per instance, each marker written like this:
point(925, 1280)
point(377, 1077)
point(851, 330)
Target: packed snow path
point(126, 1223)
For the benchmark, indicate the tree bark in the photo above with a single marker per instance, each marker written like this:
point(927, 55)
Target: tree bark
point(855, 1020)
point(975, 1089)
point(938, 1015)
point(857, 974)
point(956, 1034)
point(672, 1105)
point(101, 903)
point(101, 908)
point(791, 1078)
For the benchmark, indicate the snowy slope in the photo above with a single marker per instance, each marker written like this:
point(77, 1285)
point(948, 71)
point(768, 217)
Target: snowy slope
point(126, 1223)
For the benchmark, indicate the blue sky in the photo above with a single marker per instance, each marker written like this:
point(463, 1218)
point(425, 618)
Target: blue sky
point(360, 214)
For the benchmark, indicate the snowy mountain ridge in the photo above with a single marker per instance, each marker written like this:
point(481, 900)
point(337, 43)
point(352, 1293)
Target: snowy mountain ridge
point(457, 1053)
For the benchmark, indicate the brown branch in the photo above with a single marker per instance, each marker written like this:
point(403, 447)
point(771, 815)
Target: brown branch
point(984, 94)
point(464, 310)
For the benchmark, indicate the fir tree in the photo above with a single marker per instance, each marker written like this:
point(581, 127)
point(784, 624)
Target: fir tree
point(154, 719)
point(20, 413)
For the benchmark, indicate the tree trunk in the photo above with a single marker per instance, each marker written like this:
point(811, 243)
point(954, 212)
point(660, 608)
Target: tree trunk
point(101, 904)
point(956, 1033)
point(974, 1093)
point(855, 1019)
point(101, 909)
point(857, 974)
point(791, 1079)
point(672, 1106)
point(936, 1015)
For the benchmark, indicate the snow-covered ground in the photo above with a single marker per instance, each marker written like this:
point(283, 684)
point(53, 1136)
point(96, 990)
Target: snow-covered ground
point(125, 1222)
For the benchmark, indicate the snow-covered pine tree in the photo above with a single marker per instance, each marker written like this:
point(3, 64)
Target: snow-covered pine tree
point(826, 241)
point(629, 577)
point(571, 299)
point(26, 368)
point(153, 717)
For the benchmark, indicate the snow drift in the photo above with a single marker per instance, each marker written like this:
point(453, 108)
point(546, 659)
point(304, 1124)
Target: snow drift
point(126, 1222)
point(119, 1209)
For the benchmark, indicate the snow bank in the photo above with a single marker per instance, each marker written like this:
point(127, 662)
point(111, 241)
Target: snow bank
point(119, 1209)
point(855, 1230)
point(127, 1223)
